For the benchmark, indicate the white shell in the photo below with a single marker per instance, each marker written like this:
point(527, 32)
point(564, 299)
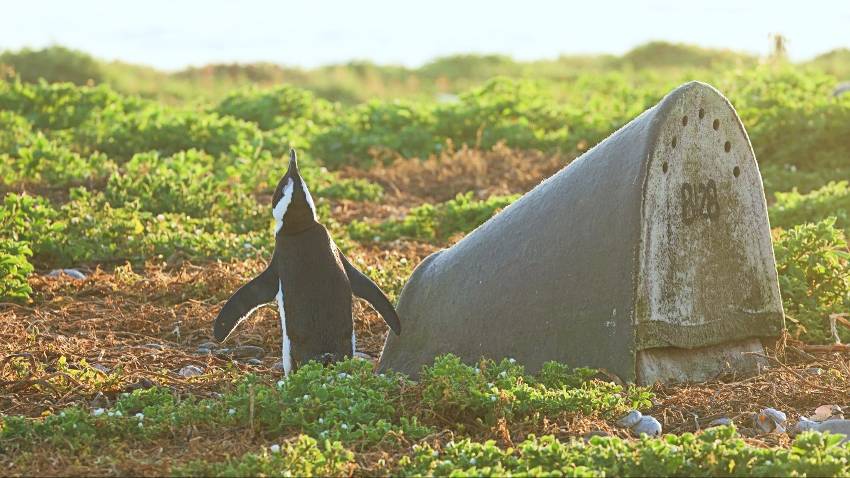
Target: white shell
point(191, 371)
point(630, 420)
point(648, 425)
point(72, 273)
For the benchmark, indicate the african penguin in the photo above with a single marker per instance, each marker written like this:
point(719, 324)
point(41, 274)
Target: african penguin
point(311, 280)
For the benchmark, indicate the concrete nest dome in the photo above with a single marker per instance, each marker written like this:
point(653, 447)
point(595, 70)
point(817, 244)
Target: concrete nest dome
point(649, 256)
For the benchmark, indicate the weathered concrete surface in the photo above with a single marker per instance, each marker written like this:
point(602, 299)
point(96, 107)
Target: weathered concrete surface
point(672, 364)
point(657, 238)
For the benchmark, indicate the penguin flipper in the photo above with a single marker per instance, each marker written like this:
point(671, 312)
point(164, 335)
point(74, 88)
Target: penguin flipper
point(364, 288)
point(246, 300)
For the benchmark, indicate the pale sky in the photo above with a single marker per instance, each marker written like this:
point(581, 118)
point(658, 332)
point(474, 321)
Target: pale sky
point(174, 34)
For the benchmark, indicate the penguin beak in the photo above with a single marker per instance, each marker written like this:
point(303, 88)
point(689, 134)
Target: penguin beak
point(293, 163)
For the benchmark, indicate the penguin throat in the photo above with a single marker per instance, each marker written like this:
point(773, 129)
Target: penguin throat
point(293, 228)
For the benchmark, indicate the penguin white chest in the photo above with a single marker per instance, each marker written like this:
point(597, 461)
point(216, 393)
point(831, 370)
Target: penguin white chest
point(286, 354)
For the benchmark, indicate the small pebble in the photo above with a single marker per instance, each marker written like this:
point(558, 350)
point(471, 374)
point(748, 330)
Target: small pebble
point(363, 356)
point(97, 412)
point(248, 351)
point(143, 383)
point(101, 368)
point(278, 366)
point(203, 351)
point(594, 433)
point(154, 346)
point(72, 273)
point(630, 420)
point(208, 345)
point(254, 362)
point(191, 371)
point(718, 422)
point(232, 411)
point(275, 448)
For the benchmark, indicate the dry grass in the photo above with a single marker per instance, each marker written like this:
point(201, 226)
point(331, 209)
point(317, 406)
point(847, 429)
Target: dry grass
point(485, 172)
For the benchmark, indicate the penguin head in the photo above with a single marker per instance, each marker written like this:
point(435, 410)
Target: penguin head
point(292, 205)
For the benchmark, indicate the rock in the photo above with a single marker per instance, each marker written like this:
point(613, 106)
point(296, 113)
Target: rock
point(154, 346)
point(248, 351)
point(191, 371)
point(648, 425)
point(363, 356)
point(100, 401)
point(72, 273)
point(838, 427)
point(630, 420)
point(770, 420)
point(814, 371)
point(101, 368)
point(594, 433)
point(719, 422)
point(208, 345)
point(827, 412)
point(203, 351)
point(254, 362)
point(223, 352)
point(841, 89)
point(802, 425)
point(278, 366)
point(143, 383)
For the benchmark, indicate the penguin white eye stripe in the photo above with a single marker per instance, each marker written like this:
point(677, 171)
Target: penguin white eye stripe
point(280, 208)
point(309, 198)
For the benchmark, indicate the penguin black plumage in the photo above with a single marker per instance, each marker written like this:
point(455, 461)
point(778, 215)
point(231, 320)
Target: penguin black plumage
point(311, 280)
